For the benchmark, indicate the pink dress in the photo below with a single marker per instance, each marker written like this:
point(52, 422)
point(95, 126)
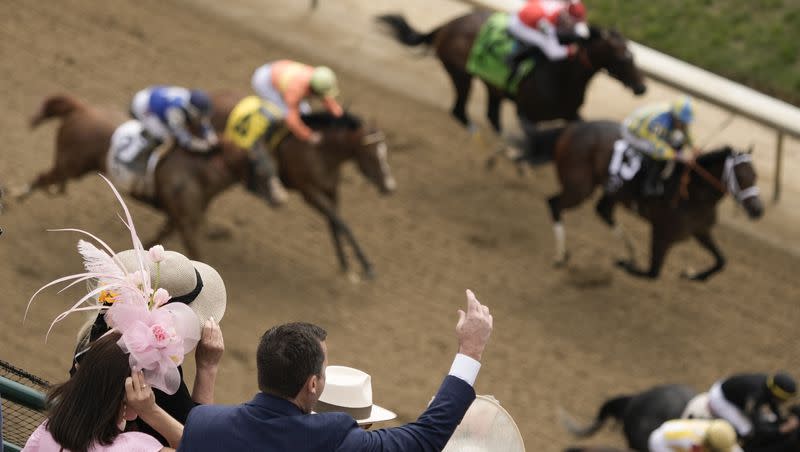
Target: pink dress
point(42, 441)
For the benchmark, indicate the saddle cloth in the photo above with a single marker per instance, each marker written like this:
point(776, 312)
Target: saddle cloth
point(253, 118)
point(624, 165)
point(698, 408)
point(489, 56)
point(130, 168)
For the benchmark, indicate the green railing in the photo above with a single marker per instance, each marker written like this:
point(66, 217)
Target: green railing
point(23, 405)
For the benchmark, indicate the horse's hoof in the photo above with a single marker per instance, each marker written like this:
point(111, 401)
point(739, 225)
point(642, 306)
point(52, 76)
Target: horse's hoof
point(562, 261)
point(624, 264)
point(219, 232)
point(353, 277)
point(369, 274)
point(490, 163)
point(688, 274)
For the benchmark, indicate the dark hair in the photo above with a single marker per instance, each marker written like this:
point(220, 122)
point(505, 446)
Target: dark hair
point(85, 410)
point(287, 355)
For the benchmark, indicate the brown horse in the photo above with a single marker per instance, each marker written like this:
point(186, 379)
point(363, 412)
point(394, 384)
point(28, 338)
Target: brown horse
point(554, 90)
point(315, 171)
point(582, 157)
point(186, 182)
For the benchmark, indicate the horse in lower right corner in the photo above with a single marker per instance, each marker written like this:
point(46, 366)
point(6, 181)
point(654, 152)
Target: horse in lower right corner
point(582, 157)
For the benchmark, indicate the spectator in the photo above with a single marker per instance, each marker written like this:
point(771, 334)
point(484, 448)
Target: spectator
point(742, 399)
point(349, 390)
point(690, 435)
point(292, 361)
point(202, 289)
point(89, 411)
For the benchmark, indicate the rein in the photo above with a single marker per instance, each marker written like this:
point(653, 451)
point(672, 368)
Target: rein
point(719, 184)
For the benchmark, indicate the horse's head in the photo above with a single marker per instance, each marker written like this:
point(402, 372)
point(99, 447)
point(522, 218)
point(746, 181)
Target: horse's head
point(739, 178)
point(366, 145)
point(608, 49)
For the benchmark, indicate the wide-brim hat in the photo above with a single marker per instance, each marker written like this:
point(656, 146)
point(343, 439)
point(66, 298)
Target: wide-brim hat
point(486, 427)
point(191, 282)
point(349, 390)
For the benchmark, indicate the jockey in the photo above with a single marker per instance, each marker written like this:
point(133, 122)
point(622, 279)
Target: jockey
point(544, 25)
point(741, 399)
point(693, 435)
point(171, 111)
point(288, 84)
point(660, 132)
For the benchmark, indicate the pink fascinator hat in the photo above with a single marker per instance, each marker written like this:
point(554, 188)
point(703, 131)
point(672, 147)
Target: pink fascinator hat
point(149, 296)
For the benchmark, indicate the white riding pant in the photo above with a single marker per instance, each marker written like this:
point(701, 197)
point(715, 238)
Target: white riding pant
point(151, 123)
point(263, 86)
point(547, 41)
point(722, 408)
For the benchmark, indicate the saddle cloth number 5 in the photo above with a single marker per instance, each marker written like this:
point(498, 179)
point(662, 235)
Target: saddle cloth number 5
point(625, 162)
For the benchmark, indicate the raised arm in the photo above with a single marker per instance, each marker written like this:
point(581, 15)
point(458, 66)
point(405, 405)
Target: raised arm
point(431, 431)
point(207, 356)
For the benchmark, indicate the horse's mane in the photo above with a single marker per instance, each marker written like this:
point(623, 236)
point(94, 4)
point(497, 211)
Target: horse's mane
point(715, 156)
point(325, 120)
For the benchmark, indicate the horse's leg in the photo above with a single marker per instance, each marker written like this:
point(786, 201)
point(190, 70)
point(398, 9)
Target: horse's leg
point(659, 245)
point(554, 202)
point(462, 82)
point(605, 210)
point(323, 203)
point(337, 245)
point(166, 229)
point(706, 241)
point(493, 107)
point(188, 230)
point(43, 180)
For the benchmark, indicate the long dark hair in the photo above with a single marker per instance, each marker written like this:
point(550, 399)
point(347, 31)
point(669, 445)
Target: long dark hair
point(85, 410)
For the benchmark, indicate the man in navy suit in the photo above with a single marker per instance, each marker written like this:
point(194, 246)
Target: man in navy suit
point(291, 362)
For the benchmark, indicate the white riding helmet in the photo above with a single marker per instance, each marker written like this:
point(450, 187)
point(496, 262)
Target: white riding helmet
point(720, 436)
point(323, 82)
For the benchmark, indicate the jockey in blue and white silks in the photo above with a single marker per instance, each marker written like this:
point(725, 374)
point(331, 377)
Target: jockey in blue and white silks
point(660, 132)
point(172, 111)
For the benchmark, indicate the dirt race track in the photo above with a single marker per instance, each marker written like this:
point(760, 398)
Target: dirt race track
point(568, 337)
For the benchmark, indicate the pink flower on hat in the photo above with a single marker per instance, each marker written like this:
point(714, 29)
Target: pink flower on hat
point(161, 297)
point(156, 253)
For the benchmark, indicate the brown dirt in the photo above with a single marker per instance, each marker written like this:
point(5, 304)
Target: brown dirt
point(568, 337)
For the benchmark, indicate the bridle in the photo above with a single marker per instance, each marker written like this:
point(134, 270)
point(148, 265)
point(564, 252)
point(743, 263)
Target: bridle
point(729, 176)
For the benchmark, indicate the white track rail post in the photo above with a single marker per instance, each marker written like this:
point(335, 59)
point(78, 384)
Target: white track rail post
point(776, 195)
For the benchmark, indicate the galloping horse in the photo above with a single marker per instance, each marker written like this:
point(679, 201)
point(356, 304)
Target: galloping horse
point(315, 171)
point(640, 413)
point(536, 100)
point(582, 157)
point(186, 182)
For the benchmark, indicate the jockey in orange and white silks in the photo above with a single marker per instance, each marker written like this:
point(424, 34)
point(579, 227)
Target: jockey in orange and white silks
point(540, 23)
point(170, 111)
point(288, 84)
point(693, 435)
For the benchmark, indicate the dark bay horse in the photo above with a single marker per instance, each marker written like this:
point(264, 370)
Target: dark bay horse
point(536, 100)
point(582, 157)
point(315, 171)
point(186, 182)
point(639, 413)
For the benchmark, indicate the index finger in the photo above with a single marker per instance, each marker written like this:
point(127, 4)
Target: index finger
point(472, 302)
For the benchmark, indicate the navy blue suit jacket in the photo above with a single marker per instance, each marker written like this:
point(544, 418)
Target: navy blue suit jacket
point(273, 424)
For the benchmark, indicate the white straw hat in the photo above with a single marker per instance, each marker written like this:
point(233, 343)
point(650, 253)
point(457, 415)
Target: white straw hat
point(191, 282)
point(486, 427)
point(349, 390)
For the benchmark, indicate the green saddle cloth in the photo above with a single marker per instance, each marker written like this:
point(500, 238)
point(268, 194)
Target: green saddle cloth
point(488, 58)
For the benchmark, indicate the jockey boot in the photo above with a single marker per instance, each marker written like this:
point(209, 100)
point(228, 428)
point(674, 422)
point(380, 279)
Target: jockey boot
point(518, 55)
point(653, 186)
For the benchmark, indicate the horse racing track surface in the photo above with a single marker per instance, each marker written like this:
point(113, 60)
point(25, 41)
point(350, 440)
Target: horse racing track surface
point(569, 337)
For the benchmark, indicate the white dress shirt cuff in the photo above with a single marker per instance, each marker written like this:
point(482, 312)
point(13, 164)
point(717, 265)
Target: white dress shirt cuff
point(465, 368)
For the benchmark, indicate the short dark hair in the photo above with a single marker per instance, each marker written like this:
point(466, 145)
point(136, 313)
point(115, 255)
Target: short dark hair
point(287, 355)
point(85, 410)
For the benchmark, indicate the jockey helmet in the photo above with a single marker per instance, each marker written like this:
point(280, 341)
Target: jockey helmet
point(682, 110)
point(577, 10)
point(200, 102)
point(323, 81)
point(782, 386)
point(720, 436)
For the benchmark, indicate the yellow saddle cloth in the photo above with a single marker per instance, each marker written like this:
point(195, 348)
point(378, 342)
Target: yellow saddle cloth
point(253, 118)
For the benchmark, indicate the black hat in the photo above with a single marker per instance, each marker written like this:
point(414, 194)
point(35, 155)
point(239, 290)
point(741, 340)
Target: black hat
point(782, 386)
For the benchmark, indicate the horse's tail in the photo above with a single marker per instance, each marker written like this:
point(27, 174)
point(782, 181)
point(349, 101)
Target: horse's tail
point(405, 33)
point(611, 408)
point(55, 106)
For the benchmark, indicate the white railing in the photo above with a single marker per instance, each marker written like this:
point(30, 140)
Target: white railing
point(739, 99)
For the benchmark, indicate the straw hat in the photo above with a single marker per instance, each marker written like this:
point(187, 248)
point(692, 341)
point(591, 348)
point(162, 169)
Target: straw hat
point(191, 282)
point(486, 427)
point(349, 390)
